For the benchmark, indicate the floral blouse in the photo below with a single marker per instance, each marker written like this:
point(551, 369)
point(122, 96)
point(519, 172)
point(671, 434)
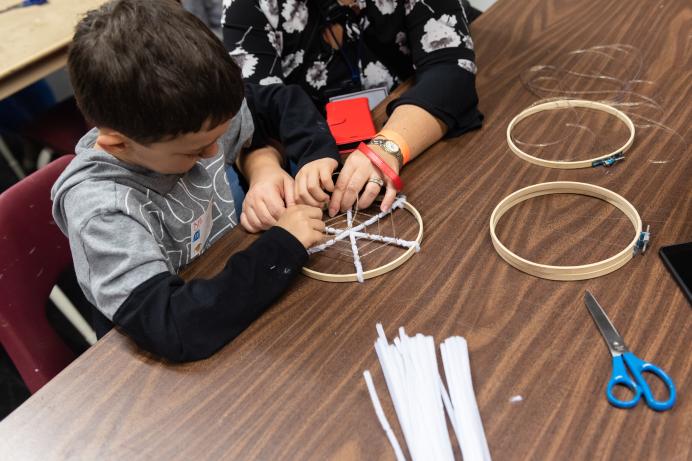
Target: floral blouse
point(384, 43)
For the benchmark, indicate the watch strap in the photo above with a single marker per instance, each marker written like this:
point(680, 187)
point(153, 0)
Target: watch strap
point(400, 141)
point(382, 142)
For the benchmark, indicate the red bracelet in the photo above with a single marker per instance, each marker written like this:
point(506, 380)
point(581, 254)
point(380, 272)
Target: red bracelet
point(382, 166)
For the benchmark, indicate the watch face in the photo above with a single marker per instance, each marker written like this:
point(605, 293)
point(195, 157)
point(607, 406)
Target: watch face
point(391, 146)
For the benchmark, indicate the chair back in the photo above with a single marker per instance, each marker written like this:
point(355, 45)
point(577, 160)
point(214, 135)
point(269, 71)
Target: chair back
point(33, 254)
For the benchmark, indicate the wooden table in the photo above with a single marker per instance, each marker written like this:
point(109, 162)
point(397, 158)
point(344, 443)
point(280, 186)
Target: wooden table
point(291, 386)
point(35, 40)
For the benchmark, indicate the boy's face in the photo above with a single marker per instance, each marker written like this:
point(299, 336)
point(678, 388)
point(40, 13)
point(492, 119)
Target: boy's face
point(174, 156)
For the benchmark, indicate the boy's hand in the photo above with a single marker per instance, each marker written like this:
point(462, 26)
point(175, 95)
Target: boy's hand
point(313, 179)
point(304, 222)
point(271, 191)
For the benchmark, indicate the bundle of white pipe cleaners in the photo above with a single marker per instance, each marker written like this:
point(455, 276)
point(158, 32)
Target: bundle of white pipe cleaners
point(420, 397)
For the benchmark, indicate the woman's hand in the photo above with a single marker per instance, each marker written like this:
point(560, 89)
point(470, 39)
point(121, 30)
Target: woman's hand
point(359, 172)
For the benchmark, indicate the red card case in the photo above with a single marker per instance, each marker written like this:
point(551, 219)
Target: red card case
point(350, 122)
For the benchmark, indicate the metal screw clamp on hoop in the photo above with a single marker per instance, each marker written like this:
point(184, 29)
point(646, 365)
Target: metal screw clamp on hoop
point(605, 160)
point(609, 161)
point(643, 242)
point(587, 271)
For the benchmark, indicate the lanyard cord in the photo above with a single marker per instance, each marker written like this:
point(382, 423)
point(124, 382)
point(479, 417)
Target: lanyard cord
point(355, 75)
point(328, 21)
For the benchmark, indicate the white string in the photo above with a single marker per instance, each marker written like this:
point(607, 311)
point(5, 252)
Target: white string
point(619, 92)
point(353, 233)
point(338, 223)
point(398, 203)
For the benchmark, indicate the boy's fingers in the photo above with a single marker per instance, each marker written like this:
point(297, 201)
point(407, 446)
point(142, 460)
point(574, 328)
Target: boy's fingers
point(267, 203)
point(313, 187)
point(254, 220)
point(289, 192)
point(274, 205)
point(389, 197)
point(326, 179)
point(298, 188)
point(317, 224)
point(289, 196)
point(313, 212)
point(315, 190)
point(308, 199)
point(315, 237)
point(264, 215)
point(306, 196)
point(341, 182)
point(276, 202)
point(246, 223)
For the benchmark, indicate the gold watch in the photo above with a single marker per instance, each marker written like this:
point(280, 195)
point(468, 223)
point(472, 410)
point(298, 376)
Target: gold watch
point(391, 148)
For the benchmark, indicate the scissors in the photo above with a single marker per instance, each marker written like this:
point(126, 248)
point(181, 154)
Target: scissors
point(624, 359)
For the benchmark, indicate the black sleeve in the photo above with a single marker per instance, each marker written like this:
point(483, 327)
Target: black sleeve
point(447, 92)
point(183, 321)
point(443, 55)
point(285, 113)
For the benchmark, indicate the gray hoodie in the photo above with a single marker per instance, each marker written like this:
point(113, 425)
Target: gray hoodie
point(126, 223)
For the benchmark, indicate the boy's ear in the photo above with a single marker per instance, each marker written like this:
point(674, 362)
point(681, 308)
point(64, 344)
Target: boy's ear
point(112, 141)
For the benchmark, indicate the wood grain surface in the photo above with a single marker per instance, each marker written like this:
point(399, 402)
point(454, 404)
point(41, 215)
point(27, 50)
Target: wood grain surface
point(291, 387)
point(35, 40)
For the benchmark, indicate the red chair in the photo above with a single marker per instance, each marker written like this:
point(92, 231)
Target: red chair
point(33, 254)
point(59, 128)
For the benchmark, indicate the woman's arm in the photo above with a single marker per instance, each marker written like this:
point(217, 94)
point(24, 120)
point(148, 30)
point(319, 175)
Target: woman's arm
point(413, 124)
point(442, 100)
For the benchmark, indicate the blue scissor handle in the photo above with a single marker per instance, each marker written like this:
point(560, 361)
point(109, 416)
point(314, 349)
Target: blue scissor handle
point(621, 378)
point(638, 385)
point(638, 366)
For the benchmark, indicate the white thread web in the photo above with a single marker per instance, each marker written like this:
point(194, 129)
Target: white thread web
point(612, 74)
point(357, 234)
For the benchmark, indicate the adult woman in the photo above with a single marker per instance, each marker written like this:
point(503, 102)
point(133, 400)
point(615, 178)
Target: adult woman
point(329, 47)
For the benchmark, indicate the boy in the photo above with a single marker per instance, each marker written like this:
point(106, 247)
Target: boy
point(147, 192)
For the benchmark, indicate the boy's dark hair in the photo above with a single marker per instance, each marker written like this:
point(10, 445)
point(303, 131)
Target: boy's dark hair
point(151, 70)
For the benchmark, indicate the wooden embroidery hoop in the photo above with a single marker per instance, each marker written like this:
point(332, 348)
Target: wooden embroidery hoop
point(326, 277)
point(584, 272)
point(565, 104)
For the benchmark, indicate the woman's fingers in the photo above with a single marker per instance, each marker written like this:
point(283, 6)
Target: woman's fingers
point(372, 190)
point(389, 197)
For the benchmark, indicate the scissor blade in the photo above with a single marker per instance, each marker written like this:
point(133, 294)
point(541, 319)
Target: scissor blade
point(612, 338)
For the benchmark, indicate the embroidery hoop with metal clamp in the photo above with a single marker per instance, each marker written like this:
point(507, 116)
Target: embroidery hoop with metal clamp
point(587, 271)
point(603, 160)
